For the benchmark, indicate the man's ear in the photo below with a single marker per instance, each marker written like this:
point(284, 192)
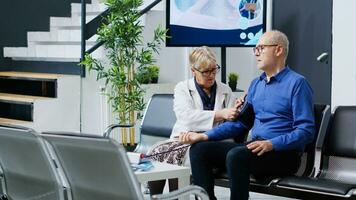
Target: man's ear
point(279, 51)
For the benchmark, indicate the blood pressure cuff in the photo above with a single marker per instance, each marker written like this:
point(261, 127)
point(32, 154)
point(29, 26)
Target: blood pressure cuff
point(247, 115)
point(247, 118)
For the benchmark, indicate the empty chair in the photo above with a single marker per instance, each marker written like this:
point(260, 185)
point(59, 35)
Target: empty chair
point(337, 175)
point(96, 167)
point(158, 121)
point(28, 170)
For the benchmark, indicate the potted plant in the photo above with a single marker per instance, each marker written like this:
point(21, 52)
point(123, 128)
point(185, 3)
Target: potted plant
point(122, 35)
point(149, 74)
point(154, 73)
point(233, 78)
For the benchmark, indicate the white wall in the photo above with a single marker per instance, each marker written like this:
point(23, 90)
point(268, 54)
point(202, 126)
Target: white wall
point(344, 51)
point(171, 60)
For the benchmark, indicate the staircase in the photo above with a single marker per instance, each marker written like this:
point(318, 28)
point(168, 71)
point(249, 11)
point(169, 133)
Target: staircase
point(62, 42)
point(43, 101)
point(51, 102)
point(36, 100)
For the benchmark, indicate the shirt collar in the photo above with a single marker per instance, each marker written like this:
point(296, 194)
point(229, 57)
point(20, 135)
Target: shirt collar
point(278, 77)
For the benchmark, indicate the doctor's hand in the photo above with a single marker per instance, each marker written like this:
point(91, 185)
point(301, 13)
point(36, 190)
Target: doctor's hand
point(260, 147)
point(227, 113)
point(192, 137)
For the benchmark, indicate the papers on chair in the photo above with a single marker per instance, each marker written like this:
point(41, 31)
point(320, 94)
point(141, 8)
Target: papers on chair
point(134, 158)
point(139, 164)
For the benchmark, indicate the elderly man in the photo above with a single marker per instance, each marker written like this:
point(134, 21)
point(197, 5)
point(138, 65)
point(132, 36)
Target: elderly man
point(283, 124)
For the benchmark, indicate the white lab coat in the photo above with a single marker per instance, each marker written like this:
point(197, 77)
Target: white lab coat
point(188, 107)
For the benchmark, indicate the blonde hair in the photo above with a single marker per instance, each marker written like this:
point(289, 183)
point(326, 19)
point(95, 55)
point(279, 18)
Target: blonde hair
point(201, 58)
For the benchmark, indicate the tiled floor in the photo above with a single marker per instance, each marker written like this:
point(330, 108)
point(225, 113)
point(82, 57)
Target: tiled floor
point(224, 194)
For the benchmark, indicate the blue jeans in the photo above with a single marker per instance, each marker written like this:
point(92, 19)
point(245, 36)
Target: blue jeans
point(239, 162)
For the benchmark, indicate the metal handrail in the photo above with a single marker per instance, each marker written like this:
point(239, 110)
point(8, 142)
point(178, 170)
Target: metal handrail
point(87, 29)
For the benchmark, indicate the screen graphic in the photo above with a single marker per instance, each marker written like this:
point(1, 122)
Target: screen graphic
point(215, 22)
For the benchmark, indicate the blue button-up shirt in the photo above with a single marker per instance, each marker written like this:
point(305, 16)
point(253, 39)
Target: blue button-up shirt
point(283, 110)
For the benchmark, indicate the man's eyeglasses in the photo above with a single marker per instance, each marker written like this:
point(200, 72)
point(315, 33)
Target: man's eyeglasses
point(261, 48)
point(207, 73)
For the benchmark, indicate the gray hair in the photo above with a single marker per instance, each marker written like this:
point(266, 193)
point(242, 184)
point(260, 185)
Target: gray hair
point(281, 39)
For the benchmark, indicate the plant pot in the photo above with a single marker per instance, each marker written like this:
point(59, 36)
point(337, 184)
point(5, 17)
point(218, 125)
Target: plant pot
point(125, 135)
point(154, 80)
point(233, 85)
point(130, 148)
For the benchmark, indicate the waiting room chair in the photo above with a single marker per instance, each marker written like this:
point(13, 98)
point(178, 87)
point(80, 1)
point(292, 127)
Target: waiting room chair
point(157, 123)
point(98, 168)
point(337, 175)
point(28, 170)
point(2, 183)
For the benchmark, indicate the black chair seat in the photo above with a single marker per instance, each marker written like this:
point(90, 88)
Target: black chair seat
point(223, 177)
point(319, 185)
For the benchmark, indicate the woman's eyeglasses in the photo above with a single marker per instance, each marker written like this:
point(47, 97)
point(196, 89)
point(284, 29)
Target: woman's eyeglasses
point(207, 73)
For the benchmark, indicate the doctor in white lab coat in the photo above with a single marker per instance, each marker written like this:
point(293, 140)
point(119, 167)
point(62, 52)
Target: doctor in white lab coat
point(200, 103)
point(189, 110)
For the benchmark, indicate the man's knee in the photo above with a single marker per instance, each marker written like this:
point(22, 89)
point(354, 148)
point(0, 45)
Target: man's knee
point(238, 155)
point(197, 150)
point(203, 151)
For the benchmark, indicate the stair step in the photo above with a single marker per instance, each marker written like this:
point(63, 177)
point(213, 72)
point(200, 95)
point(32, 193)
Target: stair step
point(7, 97)
point(77, 26)
point(6, 121)
point(45, 59)
point(69, 50)
point(74, 20)
point(29, 75)
point(27, 86)
point(17, 107)
point(57, 36)
point(90, 8)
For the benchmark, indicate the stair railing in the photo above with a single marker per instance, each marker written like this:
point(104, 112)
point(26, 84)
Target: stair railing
point(89, 29)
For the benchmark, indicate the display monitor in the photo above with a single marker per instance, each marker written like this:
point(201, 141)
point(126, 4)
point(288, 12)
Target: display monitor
point(229, 23)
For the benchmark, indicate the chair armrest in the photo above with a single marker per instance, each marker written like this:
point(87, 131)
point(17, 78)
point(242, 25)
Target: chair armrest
point(13, 126)
point(191, 189)
point(110, 128)
point(2, 185)
point(325, 121)
point(323, 128)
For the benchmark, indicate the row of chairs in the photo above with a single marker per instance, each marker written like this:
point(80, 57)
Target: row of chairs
point(328, 166)
point(68, 166)
point(333, 160)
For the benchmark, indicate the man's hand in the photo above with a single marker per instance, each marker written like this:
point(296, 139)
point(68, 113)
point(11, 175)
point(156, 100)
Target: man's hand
point(260, 147)
point(239, 102)
point(192, 137)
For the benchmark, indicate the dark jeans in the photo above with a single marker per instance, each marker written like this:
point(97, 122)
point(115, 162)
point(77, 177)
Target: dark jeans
point(239, 163)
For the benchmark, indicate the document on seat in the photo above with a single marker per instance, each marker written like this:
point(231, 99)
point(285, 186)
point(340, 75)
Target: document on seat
point(139, 164)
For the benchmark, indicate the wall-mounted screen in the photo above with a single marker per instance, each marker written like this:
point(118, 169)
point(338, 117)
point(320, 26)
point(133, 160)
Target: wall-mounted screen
point(215, 22)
